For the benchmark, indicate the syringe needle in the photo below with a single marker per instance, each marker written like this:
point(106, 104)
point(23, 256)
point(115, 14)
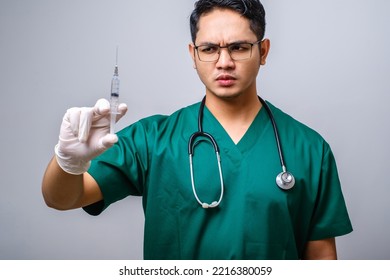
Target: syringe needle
point(116, 59)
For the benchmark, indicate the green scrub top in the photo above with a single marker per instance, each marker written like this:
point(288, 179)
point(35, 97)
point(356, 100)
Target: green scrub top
point(256, 219)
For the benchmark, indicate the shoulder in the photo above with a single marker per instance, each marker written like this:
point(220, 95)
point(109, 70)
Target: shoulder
point(298, 135)
point(162, 121)
point(288, 124)
point(159, 123)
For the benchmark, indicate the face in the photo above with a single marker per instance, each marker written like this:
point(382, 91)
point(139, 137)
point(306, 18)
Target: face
point(227, 78)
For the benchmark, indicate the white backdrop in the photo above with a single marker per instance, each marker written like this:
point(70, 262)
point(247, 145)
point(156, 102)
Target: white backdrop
point(328, 67)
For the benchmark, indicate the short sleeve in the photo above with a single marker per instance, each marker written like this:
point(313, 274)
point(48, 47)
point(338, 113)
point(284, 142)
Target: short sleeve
point(330, 218)
point(121, 170)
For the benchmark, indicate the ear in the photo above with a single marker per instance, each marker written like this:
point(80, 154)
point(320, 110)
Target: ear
point(264, 48)
point(191, 49)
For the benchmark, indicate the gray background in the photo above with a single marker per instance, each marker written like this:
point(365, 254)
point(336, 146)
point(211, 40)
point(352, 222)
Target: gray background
point(328, 67)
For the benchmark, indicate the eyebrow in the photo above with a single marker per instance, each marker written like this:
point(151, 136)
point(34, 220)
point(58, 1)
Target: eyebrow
point(232, 43)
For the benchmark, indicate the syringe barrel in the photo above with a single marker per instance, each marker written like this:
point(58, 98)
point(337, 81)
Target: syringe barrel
point(114, 102)
point(114, 98)
point(115, 86)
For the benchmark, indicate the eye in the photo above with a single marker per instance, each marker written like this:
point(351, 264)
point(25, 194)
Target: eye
point(208, 49)
point(239, 47)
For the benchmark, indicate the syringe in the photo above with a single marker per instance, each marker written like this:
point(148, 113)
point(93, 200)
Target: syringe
point(114, 98)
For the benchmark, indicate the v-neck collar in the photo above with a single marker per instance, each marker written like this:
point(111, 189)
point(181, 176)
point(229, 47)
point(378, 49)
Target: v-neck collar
point(251, 136)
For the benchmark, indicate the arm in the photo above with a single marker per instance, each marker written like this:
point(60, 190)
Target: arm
point(324, 249)
point(64, 191)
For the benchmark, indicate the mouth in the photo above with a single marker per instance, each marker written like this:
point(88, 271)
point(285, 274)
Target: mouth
point(226, 80)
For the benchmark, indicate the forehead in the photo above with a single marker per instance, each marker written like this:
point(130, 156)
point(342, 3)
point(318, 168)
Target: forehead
point(223, 25)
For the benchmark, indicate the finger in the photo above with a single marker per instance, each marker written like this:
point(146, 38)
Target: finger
point(101, 108)
point(72, 116)
point(86, 114)
point(122, 109)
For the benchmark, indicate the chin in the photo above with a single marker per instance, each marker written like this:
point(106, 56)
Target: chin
point(226, 94)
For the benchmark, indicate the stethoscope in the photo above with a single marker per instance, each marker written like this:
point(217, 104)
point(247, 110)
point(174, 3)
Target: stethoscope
point(285, 180)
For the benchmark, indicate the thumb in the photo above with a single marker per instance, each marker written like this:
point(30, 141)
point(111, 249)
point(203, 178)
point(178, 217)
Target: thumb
point(122, 109)
point(107, 141)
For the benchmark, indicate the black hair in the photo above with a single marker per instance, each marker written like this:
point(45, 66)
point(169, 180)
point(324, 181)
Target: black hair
point(253, 10)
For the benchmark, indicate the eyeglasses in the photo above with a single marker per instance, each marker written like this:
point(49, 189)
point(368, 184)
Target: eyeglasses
point(237, 51)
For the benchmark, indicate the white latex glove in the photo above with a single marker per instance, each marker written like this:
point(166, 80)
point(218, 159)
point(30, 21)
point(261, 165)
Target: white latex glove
point(84, 135)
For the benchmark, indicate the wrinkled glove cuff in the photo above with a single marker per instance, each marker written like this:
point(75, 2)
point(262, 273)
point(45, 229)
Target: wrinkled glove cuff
point(69, 165)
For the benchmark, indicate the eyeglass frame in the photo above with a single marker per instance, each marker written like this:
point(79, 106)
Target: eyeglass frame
point(227, 48)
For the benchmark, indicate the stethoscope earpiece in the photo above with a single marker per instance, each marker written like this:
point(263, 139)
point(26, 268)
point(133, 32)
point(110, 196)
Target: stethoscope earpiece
point(212, 205)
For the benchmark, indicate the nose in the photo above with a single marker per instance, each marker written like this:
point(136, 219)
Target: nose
point(224, 60)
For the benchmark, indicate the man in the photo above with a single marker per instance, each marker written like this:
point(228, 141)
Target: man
point(245, 215)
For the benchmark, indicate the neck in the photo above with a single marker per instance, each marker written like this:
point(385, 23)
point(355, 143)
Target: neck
point(234, 114)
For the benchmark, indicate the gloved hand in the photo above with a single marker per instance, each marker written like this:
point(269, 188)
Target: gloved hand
point(84, 135)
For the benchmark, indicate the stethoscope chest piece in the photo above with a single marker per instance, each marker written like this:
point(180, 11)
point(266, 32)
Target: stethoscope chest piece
point(285, 180)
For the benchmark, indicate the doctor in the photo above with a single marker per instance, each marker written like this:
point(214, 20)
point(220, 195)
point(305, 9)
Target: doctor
point(254, 218)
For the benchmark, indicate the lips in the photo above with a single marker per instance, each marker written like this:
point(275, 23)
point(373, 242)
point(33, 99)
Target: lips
point(226, 80)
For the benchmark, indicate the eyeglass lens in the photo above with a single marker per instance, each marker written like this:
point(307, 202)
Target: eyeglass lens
point(237, 51)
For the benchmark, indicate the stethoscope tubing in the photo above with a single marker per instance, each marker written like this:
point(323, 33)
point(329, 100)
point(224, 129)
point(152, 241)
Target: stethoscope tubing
point(285, 180)
point(275, 128)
